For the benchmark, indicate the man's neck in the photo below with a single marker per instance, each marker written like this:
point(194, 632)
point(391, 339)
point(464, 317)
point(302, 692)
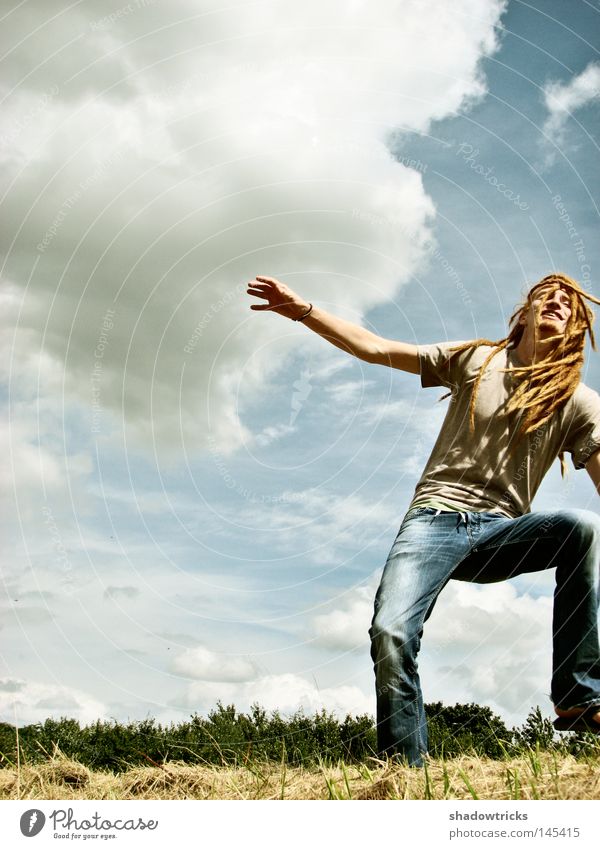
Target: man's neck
point(529, 351)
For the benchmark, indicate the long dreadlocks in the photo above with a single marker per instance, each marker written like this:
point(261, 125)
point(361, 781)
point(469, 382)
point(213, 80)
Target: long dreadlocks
point(544, 386)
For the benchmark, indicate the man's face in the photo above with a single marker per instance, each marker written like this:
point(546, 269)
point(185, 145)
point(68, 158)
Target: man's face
point(550, 307)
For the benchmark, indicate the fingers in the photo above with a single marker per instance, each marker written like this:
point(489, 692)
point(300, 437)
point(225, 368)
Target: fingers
point(258, 293)
point(264, 287)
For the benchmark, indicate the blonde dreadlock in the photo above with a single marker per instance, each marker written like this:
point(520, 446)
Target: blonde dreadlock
point(545, 386)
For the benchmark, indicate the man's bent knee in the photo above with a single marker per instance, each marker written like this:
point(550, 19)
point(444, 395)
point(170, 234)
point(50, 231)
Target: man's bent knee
point(393, 641)
point(577, 525)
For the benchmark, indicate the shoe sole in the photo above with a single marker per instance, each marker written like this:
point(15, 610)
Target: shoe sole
point(582, 722)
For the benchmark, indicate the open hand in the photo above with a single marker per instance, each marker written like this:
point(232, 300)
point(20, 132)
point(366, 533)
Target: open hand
point(280, 298)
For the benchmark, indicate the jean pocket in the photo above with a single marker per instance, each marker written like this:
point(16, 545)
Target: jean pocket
point(420, 511)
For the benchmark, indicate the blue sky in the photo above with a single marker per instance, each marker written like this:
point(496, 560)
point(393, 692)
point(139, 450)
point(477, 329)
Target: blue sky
point(203, 497)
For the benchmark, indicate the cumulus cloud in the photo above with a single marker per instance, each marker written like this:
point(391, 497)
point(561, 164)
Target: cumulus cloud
point(178, 150)
point(318, 524)
point(492, 644)
point(32, 448)
point(202, 663)
point(345, 628)
point(488, 644)
point(24, 702)
point(563, 99)
point(272, 433)
point(153, 162)
point(286, 693)
point(121, 592)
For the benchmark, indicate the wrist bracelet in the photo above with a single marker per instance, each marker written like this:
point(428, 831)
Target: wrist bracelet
point(306, 314)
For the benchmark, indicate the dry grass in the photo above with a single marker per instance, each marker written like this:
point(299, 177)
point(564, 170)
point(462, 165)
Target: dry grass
point(537, 776)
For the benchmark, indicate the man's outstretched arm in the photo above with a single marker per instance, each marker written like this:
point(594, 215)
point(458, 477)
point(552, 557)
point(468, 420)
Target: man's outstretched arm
point(352, 338)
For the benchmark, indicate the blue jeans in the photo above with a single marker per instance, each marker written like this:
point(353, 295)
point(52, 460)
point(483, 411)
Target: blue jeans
point(432, 547)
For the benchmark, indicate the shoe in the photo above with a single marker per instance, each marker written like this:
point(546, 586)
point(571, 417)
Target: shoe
point(583, 721)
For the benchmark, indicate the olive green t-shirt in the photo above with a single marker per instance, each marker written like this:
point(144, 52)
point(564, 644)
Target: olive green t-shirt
point(477, 471)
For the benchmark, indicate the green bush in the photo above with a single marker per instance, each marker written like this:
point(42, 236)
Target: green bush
point(537, 732)
point(466, 729)
point(228, 737)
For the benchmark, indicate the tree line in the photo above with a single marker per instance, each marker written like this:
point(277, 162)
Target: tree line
point(228, 737)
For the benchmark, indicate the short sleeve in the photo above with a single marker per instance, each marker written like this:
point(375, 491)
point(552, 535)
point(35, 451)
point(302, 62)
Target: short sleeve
point(584, 433)
point(437, 366)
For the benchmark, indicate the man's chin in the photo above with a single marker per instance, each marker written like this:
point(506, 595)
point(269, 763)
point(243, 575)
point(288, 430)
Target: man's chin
point(551, 326)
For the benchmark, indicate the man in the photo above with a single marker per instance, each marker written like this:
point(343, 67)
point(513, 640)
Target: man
point(516, 405)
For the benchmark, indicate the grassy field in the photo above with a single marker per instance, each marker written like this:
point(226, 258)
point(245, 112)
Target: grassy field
point(535, 775)
point(260, 755)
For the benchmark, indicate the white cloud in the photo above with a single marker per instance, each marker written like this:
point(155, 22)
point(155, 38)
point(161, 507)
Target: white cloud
point(24, 702)
point(152, 165)
point(346, 627)
point(168, 168)
point(487, 644)
point(563, 99)
point(491, 644)
point(121, 592)
point(319, 523)
point(272, 434)
point(400, 412)
point(202, 663)
point(348, 392)
point(41, 473)
point(286, 693)
point(489, 617)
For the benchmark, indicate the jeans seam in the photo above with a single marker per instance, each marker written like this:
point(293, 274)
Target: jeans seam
point(493, 546)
